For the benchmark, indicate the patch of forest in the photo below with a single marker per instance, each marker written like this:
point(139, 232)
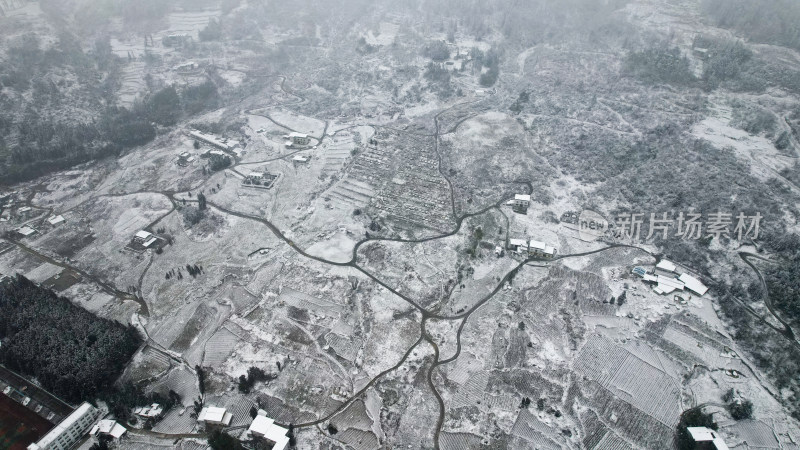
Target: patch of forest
point(69, 350)
point(727, 63)
point(60, 110)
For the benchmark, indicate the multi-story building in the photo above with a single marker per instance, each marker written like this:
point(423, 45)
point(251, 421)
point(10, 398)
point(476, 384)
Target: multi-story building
point(69, 431)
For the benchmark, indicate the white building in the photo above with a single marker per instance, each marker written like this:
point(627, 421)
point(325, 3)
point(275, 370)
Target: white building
point(295, 138)
point(264, 428)
point(521, 202)
point(109, 428)
point(210, 139)
point(703, 434)
point(55, 220)
point(149, 412)
point(666, 266)
point(212, 415)
point(518, 245)
point(145, 238)
point(300, 159)
point(665, 285)
point(26, 231)
point(69, 431)
point(693, 284)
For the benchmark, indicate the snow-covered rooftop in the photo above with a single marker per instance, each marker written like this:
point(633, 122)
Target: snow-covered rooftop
point(693, 284)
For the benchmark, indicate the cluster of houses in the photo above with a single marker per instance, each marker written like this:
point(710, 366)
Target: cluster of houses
point(149, 412)
point(667, 278)
point(84, 419)
point(262, 427)
point(532, 248)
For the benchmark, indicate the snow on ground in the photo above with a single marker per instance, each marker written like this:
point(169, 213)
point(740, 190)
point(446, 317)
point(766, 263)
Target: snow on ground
point(233, 77)
point(132, 85)
point(765, 160)
point(298, 123)
point(385, 35)
point(337, 248)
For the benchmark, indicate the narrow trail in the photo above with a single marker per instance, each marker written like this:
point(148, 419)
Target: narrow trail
point(787, 329)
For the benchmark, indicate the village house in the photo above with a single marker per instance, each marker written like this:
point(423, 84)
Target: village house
point(107, 427)
point(706, 435)
point(693, 284)
point(149, 412)
point(211, 416)
point(55, 220)
point(145, 238)
point(540, 250)
point(185, 158)
point(259, 179)
point(518, 245)
point(666, 267)
point(521, 203)
point(301, 159)
point(265, 428)
point(25, 231)
point(665, 281)
point(297, 139)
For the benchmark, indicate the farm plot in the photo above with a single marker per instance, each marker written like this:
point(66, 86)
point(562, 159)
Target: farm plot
point(597, 436)
point(345, 347)
point(219, 347)
point(411, 194)
point(337, 152)
point(391, 334)
point(471, 393)
point(752, 433)
point(530, 428)
point(358, 439)
point(132, 84)
point(443, 272)
point(459, 441)
point(623, 379)
point(359, 424)
point(177, 421)
point(350, 193)
point(181, 380)
point(281, 412)
point(147, 364)
point(154, 167)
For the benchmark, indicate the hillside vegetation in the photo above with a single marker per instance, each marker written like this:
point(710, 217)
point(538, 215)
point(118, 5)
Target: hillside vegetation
point(69, 350)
